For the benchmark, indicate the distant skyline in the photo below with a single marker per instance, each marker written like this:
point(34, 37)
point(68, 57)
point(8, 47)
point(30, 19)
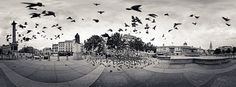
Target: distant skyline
point(210, 26)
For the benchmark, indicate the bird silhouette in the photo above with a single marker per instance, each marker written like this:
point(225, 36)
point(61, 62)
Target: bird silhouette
point(147, 32)
point(146, 26)
point(148, 19)
point(44, 27)
point(49, 13)
point(166, 14)
point(96, 4)
point(196, 17)
point(170, 30)
point(194, 23)
point(110, 30)
point(152, 39)
point(28, 31)
point(32, 8)
point(34, 15)
point(36, 25)
point(153, 21)
point(154, 28)
point(191, 15)
point(72, 20)
point(22, 26)
point(59, 28)
point(105, 35)
point(69, 18)
point(135, 30)
point(134, 24)
point(31, 5)
point(226, 18)
point(101, 12)
point(135, 8)
point(152, 15)
point(176, 24)
point(120, 30)
point(163, 35)
point(126, 25)
point(228, 24)
point(26, 23)
point(96, 20)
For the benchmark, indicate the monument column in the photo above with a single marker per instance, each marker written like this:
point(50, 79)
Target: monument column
point(14, 45)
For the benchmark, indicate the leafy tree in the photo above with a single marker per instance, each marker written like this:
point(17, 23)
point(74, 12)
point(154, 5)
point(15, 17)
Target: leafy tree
point(116, 42)
point(94, 43)
point(27, 50)
point(217, 51)
point(234, 50)
point(228, 50)
point(136, 44)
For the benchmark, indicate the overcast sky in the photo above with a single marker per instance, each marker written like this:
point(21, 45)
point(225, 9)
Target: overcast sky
point(210, 26)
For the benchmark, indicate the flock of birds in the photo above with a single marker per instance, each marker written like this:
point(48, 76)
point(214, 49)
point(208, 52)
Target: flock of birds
point(133, 26)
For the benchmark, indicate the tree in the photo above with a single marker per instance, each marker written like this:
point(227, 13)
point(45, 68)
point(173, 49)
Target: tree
point(27, 50)
point(228, 51)
point(94, 43)
point(217, 51)
point(116, 42)
point(136, 44)
point(234, 50)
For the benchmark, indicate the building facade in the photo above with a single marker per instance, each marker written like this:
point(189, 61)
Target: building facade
point(55, 48)
point(179, 50)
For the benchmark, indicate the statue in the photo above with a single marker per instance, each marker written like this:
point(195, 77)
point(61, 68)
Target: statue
point(77, 38)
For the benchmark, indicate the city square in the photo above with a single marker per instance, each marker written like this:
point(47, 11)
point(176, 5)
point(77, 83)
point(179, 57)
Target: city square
point(119, 43)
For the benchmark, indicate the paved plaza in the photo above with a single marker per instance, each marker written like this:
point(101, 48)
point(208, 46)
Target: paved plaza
point(84, 73)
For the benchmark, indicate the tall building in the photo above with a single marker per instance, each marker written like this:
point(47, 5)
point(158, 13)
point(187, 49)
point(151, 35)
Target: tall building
point(66, 46)
point(54, 48)
point(14, 45)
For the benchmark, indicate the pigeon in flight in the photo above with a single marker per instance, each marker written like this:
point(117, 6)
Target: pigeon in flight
point(110, 30)
point(96, 4)
point(135, 8)
point(72, 20)
point(176, 24)
point(163, 35)
point(228, 24)
point(120, 30)
point(31, 5)
point(34, 15)
point(44, 27)
point(69, 18)
point(59, 28)
point(146, 26)
point(154, 28)
point(101, 12)
point(166, 14)
point(36, 25)
point(192, 15)
point(226, 18)
point(170, 30)
point(105, 35)
point(152, 39)
point(28, 31)
point(194, 23)
point(153, 15)
point(153, 21)
point(196, 17)
point(96, 20)
point(126, 25)
point(33, 9)
point(26, 23)
point(49, 13)
point(22, 26)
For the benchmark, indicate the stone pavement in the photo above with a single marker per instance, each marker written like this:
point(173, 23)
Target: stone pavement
point(32, 73)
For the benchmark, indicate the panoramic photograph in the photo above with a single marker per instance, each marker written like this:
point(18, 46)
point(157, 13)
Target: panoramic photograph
point(118, 43)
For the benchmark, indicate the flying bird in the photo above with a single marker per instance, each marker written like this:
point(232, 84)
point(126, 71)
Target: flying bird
point(126, 25)
point(22, 26)
point(146, 26)
point(105, 35)
point(59, 28)
point(194, 23)
point(31, 5)
point(191, 15)
point(176, 24)
point(120, 30)
point(100, 12)
point(49, 13)
point(110, 30)
point(228, 24)
point(170, 30)
point(72, 20)
point(153, 21)
point(96, 4)
point(69, 18)
point(96, 20)
point(28, 31)
point(152, 39)
point(226, 18)
point(154, 28)
point(135, 8)
point(153, 15)
point(34, 15)
point(196, 17)
point(166, 14)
